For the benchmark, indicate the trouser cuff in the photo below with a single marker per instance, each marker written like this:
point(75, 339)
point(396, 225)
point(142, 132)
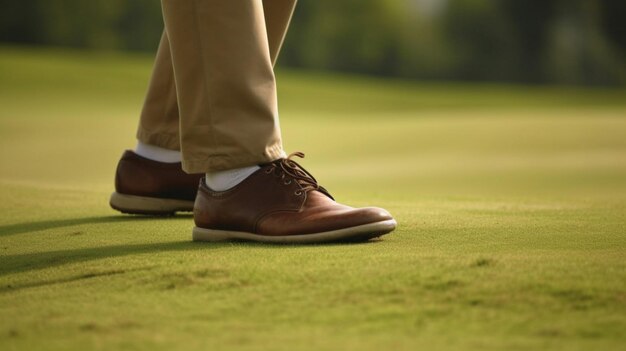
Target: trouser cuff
point(168, 141)
point(222, 163)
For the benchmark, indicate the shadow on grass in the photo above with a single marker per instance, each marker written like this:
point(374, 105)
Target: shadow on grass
point(41, 260)
point(27, 227)
point(83, 276)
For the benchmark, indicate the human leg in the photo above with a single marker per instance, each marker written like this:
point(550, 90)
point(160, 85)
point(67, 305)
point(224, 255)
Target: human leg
point(159, 120)
point(225, 83)
point(222, 64)
point(141, 179)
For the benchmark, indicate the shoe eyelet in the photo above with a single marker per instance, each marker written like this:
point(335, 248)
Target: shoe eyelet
point(297, 192)
point(268, 171)
point(287, 182)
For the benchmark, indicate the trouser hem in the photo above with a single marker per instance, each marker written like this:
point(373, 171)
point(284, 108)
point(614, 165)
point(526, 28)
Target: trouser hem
point(165, 140)
point(222, 163)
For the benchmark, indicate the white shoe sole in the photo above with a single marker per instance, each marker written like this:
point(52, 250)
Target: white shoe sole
point(132, 204)
point(358, 233)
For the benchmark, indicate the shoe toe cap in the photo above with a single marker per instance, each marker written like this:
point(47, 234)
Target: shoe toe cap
point(372, 215)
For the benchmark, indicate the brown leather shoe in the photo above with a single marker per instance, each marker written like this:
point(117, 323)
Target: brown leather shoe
point(282, 203)
point(144, 186)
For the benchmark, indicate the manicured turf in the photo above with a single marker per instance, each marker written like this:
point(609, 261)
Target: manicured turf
point(511, 203)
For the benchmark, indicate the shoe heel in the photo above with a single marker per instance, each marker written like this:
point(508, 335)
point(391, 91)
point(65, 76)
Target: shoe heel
point(132, 204)
point(202, 234)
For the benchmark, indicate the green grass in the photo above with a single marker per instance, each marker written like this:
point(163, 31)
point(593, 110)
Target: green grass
point(511, 203)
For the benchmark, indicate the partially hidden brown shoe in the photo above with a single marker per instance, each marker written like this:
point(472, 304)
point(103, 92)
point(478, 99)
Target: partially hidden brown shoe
point(144, 186)
point(283, 203)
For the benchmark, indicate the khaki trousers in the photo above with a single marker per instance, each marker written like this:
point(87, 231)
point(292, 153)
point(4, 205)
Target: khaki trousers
point(212, 94)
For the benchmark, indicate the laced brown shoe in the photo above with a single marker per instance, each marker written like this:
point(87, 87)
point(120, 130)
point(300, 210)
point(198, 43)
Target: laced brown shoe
point(283, 203)
point(144, 186)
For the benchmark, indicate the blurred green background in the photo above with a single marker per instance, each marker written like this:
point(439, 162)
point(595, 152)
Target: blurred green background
point(538, 41)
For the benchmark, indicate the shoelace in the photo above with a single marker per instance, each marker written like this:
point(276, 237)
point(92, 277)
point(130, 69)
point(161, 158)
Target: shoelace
point(288, 167)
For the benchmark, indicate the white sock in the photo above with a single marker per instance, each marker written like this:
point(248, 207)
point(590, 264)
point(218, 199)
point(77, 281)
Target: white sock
point(156, 153)
point(224, 180)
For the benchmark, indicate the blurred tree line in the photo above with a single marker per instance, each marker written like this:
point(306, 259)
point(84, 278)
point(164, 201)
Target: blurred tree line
point(532, 41)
